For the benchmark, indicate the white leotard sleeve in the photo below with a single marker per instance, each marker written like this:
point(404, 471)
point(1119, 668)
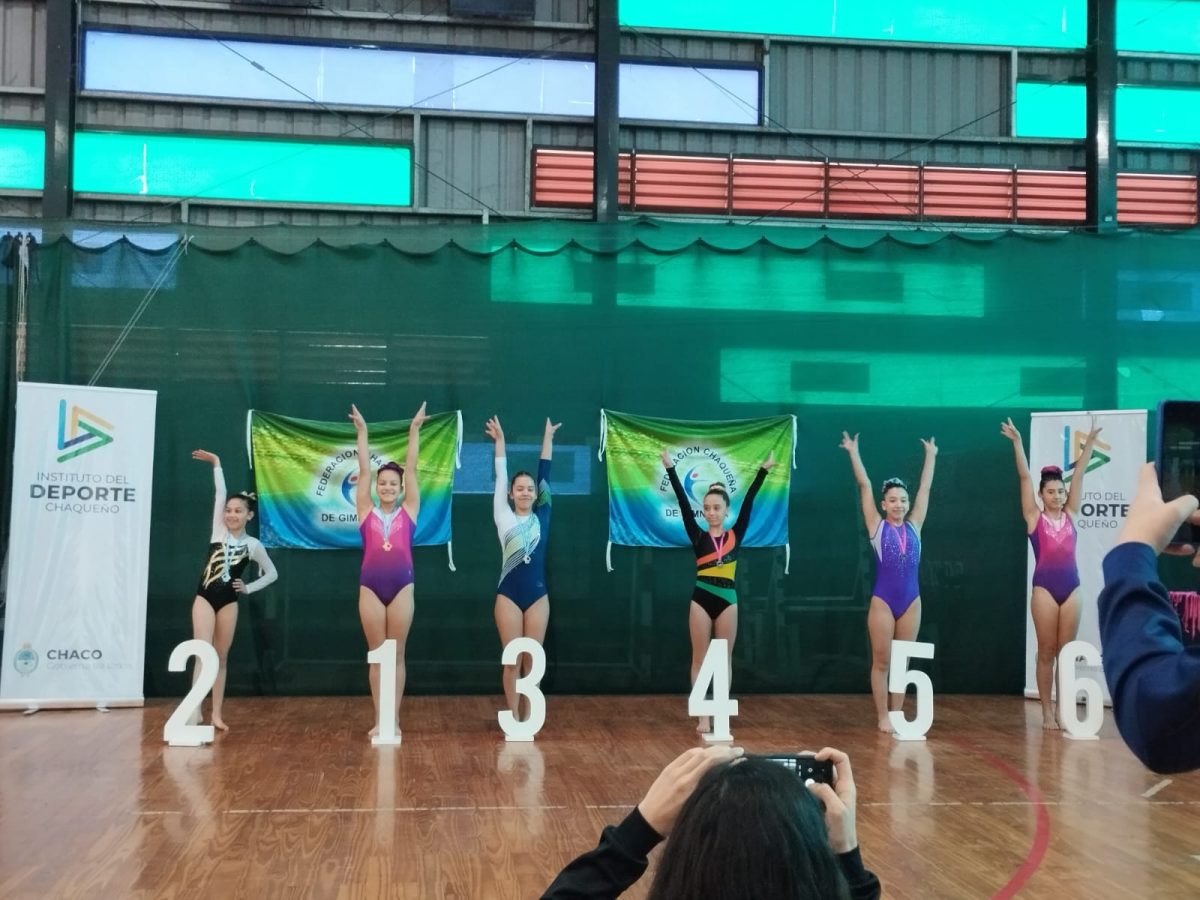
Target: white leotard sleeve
point(266, 568)
point(218, 521)
point(501, 512)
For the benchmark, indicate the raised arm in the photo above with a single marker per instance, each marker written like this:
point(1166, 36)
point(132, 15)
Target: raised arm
point(500, 510)
point(218, 517)
point(921, 505)
point(362, 490)
point(743, 519)
point(1029, 507)
point(412, 487)
point(1075, 494)
point(870, 513)
point(548, 439)
point(685, 505)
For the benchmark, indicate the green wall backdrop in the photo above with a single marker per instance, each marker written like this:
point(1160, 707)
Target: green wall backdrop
point(896, 335)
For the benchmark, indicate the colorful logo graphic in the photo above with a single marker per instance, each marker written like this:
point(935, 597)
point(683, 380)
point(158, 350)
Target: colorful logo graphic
point(80, 431)
point(26, 660)
point(349, 485)
point(1073, 446)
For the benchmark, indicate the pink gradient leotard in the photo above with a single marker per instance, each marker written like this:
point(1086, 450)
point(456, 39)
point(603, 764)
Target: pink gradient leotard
point(1055, 570)
point(387, 566)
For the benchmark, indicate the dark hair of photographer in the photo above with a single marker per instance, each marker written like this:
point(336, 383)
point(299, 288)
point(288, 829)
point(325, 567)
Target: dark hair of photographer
point(751, 829)
point(738, 828)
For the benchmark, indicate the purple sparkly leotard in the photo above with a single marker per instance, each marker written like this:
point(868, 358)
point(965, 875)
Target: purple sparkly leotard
point(387, 566)
point(898, 551)
point(1054, 553)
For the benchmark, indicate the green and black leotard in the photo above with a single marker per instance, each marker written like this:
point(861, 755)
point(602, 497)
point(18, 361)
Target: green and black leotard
point(716, 557)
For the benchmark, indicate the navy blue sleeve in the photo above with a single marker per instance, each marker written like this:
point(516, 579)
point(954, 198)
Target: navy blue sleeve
point(617, 862)
point(1154, 679)
point(685, 507)
point(541, 506)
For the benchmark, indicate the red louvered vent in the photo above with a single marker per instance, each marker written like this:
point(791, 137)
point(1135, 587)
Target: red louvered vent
point(1157, 199)
point(860, 189)
point(1047, 196)
point(683, 183)
point(779, 187)
point(953, 193)
point(725, 185)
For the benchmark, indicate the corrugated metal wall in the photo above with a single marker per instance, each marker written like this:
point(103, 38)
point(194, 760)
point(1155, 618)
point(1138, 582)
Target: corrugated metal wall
point(839, 100)
point(889, 90)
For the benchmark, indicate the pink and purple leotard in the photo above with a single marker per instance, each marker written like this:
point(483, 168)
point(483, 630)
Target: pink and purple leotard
point(1053, 543)
point(387, 566)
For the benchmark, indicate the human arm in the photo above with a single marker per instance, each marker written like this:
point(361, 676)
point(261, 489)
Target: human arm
point(921, 504)
point(839, 801)
point(1029, 507)
point(743, 519)
point(412, 486)
point(219, 491)
point(548, 439)
point(267, 571)
point(870, 514)
point(501, 514)
point(1153, 677)
point(362, 490)
point(620, 858)
point(685, 505)
point(1075, 494)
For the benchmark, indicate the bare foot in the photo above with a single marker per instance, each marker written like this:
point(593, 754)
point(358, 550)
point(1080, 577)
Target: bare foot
point(1049, 723)
point(374, 731)
point(885, 725)
point(218, 722)
point(705, 725)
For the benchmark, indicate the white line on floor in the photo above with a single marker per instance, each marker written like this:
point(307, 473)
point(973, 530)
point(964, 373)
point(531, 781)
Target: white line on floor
point(1158, 787)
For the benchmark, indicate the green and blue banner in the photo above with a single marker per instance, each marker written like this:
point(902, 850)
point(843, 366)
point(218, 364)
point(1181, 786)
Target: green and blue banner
point(642, 510)
point(307, 471)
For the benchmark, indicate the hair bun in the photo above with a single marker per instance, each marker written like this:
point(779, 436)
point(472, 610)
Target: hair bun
point(1051, 472)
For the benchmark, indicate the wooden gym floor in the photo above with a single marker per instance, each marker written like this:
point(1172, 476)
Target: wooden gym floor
point(295, 802)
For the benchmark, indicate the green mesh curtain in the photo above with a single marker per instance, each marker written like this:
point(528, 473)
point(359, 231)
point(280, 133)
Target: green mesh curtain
point(896, 336)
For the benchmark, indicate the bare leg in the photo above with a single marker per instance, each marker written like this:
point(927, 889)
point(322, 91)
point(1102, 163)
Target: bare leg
point(881, 627)
point(1068, 626)
point(1046, 626)
point(510, 625)
point(907, 627)
point(700, 627)
point(373, 616)
point(726, 627)
point(399, 616)
point(536, 619)
point(204, 621)
point(222, 641)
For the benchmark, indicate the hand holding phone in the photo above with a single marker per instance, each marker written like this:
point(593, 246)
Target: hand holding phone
point(805, 766)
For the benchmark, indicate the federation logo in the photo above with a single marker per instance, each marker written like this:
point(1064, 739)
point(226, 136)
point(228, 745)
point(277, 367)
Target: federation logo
point(25, 660)
point(696, 481)
point(80, 431)
point(349, 485)
point(1073, 446)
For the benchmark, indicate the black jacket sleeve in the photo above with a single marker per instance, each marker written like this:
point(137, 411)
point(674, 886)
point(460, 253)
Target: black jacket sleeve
point(617, 862)
point(1154, 679)
point(863, 883)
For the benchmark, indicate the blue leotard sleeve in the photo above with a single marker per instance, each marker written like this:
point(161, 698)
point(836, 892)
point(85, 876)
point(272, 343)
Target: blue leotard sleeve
point(541, 506)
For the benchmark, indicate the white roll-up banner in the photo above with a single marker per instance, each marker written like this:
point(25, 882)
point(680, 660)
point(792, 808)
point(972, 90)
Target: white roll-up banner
point(79, 547)
point(1055, 439)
